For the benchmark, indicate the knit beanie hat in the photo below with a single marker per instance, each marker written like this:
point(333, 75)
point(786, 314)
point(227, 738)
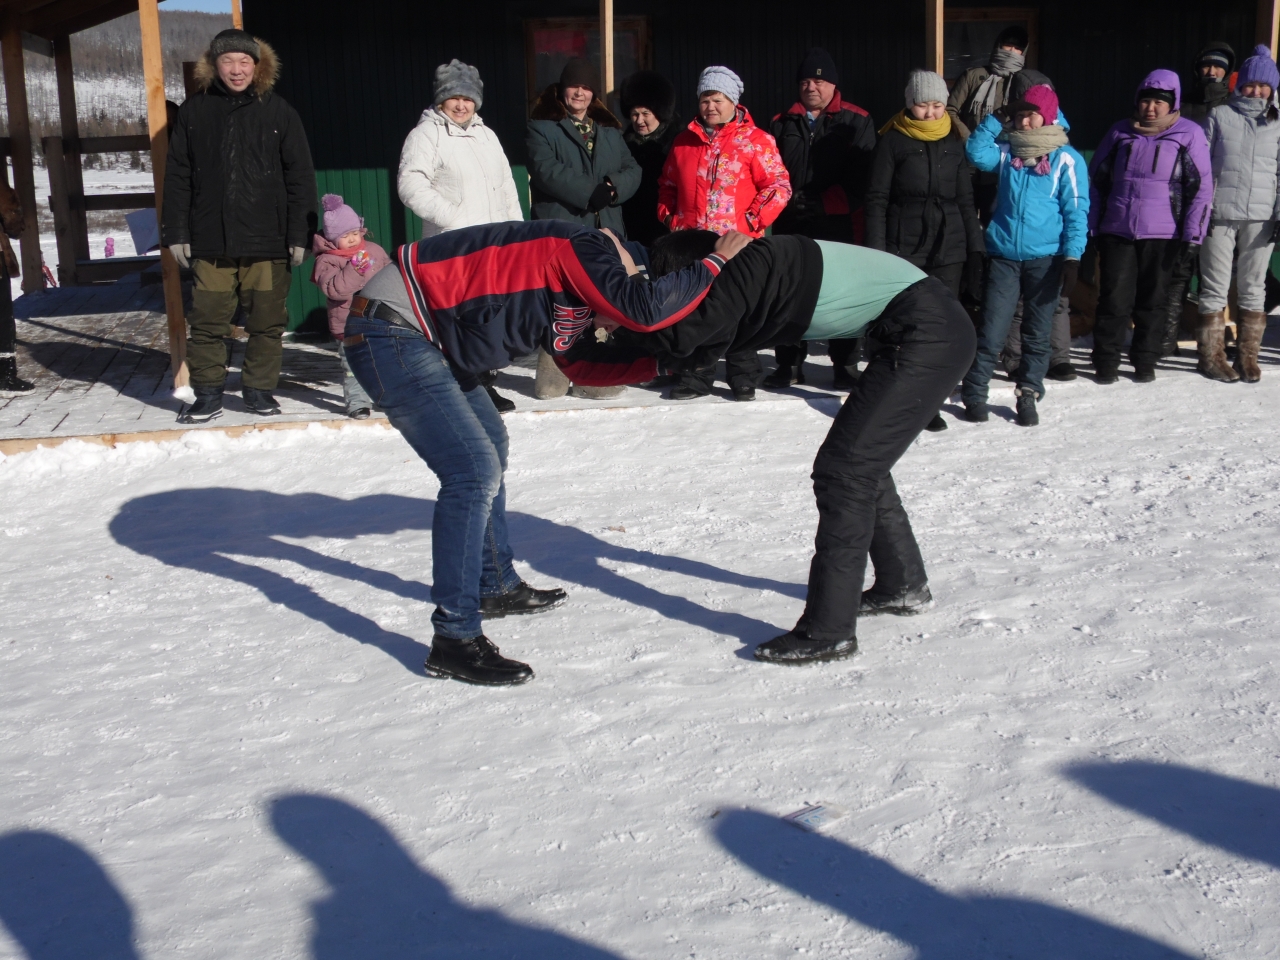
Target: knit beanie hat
point(579, 73)
point(924, 86)
point(721, 80)
point(1259, 68)
point(234, 41)
point(817, 65)
point(645, 88)
point(1151, 93)
point(1219, 53)
point(338, 217)
point(1039, 98)
point(456, 79)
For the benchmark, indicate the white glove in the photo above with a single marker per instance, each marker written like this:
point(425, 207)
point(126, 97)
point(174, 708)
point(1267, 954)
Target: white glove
point(296, 254)
point(182, 253)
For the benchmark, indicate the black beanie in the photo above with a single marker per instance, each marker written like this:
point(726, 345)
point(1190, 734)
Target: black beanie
point(1151, 93)
point(579, 73)
point(1015, 36)
point(234, 41)
point(818, 65)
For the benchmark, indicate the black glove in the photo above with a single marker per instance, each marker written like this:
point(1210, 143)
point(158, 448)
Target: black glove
point(973, 268)
point(1070, 274)
point(1275, 232)
point(601, 197)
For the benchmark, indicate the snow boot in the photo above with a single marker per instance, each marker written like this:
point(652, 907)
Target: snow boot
point(937, 424)
point(474, 660)
point(903, 603)
point(784, 376)
point(683, 391)
point(1144, 374)
point(744, 392)
point(1106, 374)
point(976, 412)
point(845, 378)
point(1253, 324)
point(503, 404)
point(1027, 415)
point(549, 383)
point(260, 402)
point(12, 385)
point(796, 647)
point(1210, 334)
point(1062, 372)
point(359, 413)
point(208, 406)
point(523, 599)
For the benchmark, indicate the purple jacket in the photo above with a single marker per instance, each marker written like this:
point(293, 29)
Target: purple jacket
point(1152, 187)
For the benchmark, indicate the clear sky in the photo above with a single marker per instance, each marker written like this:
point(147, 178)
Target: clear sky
point(204, 6)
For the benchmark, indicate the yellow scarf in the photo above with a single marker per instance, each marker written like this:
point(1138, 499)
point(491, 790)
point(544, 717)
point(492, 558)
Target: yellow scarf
point(927, 130)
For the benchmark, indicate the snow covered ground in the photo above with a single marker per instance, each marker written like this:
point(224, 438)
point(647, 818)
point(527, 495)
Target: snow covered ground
point(217, 740)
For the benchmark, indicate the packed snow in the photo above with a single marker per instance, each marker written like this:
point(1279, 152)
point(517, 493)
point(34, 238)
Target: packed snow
point(218, 740)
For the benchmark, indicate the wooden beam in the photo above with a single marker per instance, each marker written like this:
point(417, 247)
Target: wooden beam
point(61, 207)
point(1269, 23)
point(934, 53)
point(606, 49)
point(34, 44)
point(72, 16)
point(119, 201)
point(24, 178)
point(124, 144)
point(158, 128)
point(71, 150)
point(237, 17)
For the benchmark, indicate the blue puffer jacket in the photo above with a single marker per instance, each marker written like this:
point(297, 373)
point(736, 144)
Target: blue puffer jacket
point(1036, 215)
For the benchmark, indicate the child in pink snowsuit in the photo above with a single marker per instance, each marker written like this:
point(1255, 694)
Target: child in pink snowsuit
point(345, 261)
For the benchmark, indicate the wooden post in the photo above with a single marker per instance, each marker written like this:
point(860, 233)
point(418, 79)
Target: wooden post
point(237, 17)
point(606, 49)
point(24, 177)
point(1269, 23)
point(158, 128)
point(71, 156)
point(934, 53)
point(58, 203)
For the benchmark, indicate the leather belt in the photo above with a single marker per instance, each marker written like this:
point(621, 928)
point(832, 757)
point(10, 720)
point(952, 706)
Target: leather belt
point(377, 310)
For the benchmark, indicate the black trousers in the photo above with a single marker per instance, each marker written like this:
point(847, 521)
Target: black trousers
point(844, 352)
point(1133, 283)
point(741, 368)
point(926, 344)
point(8, 326)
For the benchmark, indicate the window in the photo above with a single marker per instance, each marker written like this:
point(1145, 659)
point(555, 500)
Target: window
point(550, 44)
point(969, 33)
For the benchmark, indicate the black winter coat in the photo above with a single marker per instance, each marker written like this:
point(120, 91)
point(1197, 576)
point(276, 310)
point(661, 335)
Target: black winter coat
point(239, 181)
point(920, 201)
point(828, 165)
point(640, 213)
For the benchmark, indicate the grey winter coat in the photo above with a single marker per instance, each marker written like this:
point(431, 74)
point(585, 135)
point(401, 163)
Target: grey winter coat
point(1245, 154)
point(563, 173)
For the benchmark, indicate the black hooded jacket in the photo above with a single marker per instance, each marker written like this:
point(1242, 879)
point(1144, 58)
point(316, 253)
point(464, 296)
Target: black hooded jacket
point(1199, 95)
point(239, 181)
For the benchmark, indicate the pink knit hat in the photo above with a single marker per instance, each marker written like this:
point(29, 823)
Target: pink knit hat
point(1039, 98)
point(338, 217)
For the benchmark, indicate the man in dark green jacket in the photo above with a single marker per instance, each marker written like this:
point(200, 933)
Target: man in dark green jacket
point(239, 206)
point(580, 169)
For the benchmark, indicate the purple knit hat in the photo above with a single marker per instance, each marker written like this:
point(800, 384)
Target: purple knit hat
point(1259, 68)
point(338, 217)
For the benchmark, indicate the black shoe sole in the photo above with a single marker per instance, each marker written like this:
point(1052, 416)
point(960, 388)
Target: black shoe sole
point(896, 611)
point(187, 418)
point(264, 413)
point(440, 673)
point(820, 658)
point(498, 615)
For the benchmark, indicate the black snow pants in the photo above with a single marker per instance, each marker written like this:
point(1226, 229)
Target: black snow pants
point(926, 343)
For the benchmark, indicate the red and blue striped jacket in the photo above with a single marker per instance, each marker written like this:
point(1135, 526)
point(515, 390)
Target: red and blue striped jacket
point(485, 295)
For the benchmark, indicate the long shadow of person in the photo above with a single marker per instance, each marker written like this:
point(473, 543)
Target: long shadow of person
point(58, 903)
point(381, 904)
point(940, 925)
point(1236, 815)
point(198, 529)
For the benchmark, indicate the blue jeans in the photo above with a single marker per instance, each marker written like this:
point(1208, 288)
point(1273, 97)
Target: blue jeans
point(462, 439)
point(1038, 282)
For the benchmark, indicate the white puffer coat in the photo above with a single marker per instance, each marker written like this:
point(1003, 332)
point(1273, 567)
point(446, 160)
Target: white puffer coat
point(1246, 163)
point(453, 177)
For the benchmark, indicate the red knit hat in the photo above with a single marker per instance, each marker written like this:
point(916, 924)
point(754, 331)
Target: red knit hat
point(1039, 98)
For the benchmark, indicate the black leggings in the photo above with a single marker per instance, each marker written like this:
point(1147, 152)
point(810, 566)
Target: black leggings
point(926, 343)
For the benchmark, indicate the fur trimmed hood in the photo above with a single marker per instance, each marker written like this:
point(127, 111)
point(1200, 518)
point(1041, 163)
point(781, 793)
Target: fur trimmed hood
point(549, 106)
point(264, 75)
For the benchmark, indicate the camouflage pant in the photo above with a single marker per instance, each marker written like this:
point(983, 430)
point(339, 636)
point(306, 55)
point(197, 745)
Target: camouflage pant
point(261, 287)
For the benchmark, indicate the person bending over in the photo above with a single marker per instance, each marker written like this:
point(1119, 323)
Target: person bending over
point(465, 302)
point(785, 289)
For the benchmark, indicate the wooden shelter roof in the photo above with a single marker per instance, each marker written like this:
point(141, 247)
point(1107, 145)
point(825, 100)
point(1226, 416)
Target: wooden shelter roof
point(54, 18)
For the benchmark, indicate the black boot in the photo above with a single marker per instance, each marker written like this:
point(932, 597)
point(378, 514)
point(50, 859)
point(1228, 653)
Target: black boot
point(795, 647)
point(260, 402)
point(1027, 415)
point(474, 660)
point(503, 404)
point(784, 376)
point(208, 406)
point(523, 599)
point(12, 385)
point(903, 603)
point(937, 424)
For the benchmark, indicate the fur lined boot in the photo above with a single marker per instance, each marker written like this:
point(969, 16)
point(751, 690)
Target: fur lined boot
point(1210, 332)
point(549, 382)
point(1253, 324)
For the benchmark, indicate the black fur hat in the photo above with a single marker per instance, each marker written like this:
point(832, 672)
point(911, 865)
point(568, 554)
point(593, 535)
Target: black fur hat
point(645, 88)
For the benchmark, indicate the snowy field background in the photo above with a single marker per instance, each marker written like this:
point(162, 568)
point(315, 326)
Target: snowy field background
point(218, 742)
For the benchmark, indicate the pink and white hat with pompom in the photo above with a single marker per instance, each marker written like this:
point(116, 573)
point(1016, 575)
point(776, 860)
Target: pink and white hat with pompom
point(338, 217)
